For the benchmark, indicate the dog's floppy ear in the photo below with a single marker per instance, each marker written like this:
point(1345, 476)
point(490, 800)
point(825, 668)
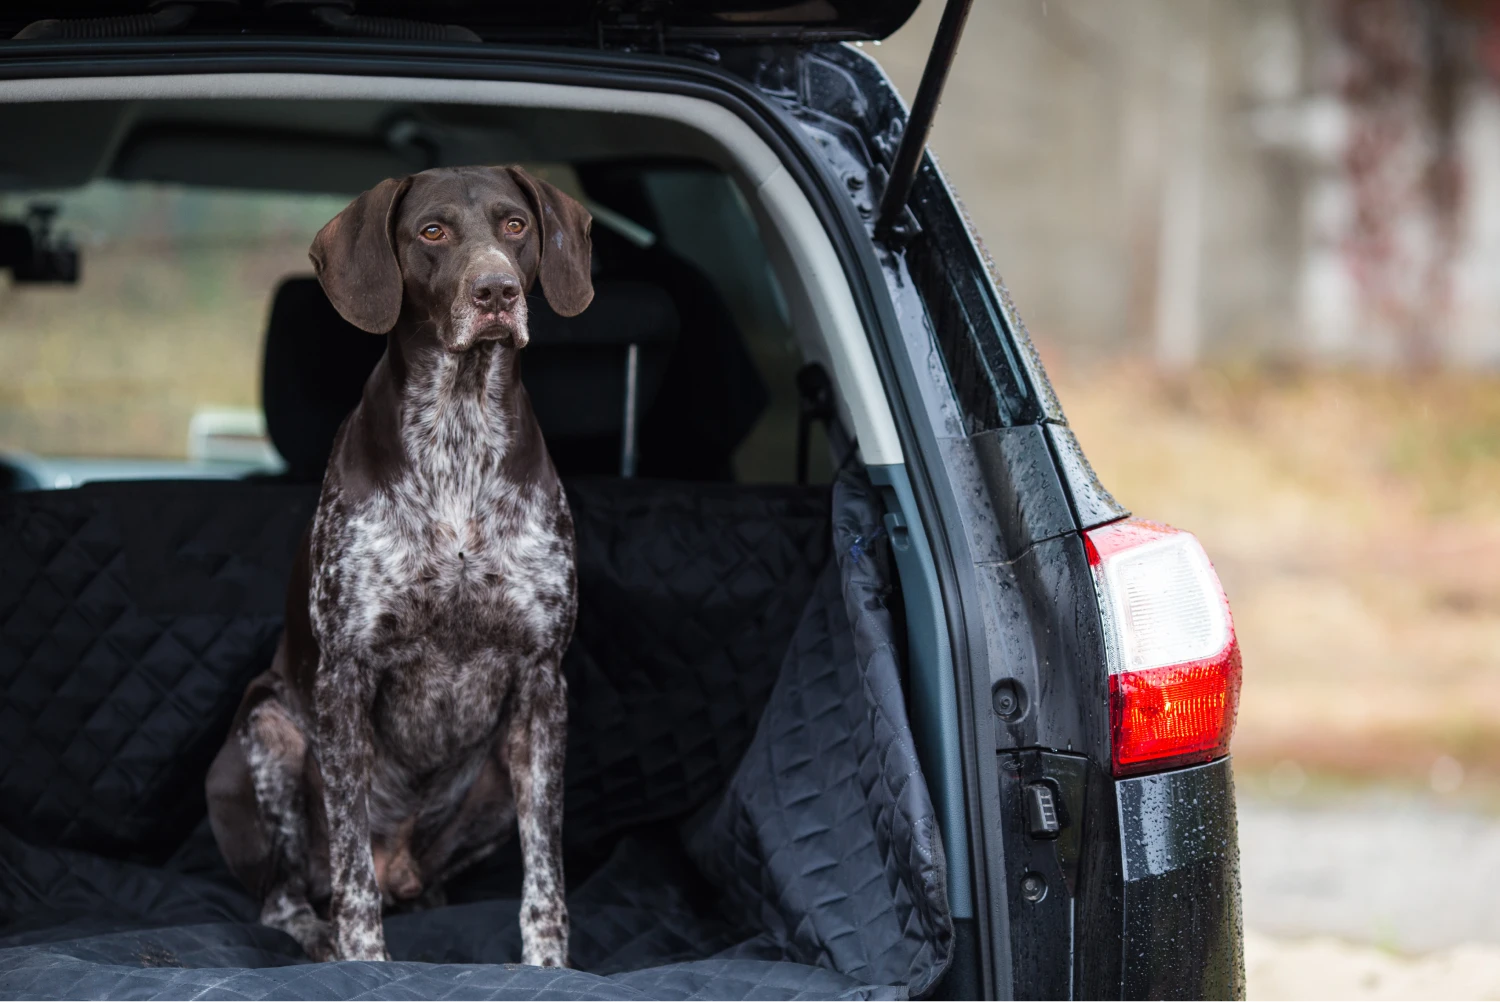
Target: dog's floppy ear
point(566, 248)
point(354, 257)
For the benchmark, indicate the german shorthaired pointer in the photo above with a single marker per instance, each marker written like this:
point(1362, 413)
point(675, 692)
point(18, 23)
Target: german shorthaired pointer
point(416, 707)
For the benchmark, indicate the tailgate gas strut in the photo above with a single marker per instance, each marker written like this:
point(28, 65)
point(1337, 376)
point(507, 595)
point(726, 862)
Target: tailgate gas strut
point(919, 123)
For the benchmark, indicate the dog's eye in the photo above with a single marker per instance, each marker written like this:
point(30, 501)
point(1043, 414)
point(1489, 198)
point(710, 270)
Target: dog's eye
point(432, 231)
point(515, 225)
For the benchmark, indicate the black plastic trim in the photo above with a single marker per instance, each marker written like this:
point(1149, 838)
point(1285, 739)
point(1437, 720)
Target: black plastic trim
point(1046, 880)
point(1092, 504)
point(587, 23)
point(1180, 863)
point(1024, 487)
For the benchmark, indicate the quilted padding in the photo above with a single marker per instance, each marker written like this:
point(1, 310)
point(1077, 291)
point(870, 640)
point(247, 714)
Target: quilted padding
point(36, 973)
point(826, 836)
point(687, 598)
point(745, 819)
point(132, 615)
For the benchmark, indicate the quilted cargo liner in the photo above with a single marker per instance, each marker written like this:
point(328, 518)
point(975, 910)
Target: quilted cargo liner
point(745, 814)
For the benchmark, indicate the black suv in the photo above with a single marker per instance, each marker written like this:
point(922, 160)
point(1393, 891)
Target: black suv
point(875, 691)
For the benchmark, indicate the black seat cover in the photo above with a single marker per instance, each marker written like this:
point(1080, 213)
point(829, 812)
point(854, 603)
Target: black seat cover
point(132, 614)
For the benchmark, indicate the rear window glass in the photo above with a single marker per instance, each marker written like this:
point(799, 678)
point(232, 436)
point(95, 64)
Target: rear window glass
point(150, 365)
point(155, 353)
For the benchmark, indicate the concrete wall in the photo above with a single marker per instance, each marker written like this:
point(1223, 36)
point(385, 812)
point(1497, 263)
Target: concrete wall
point(1171, 177)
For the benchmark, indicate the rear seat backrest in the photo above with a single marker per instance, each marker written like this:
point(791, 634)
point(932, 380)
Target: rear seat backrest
point(131, 617)
point(133, 614)
point(575, 370)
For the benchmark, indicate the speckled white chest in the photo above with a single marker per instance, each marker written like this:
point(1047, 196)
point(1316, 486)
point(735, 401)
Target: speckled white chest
point(450, 577)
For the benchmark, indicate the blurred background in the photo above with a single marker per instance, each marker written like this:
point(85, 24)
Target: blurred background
point(1258, 245)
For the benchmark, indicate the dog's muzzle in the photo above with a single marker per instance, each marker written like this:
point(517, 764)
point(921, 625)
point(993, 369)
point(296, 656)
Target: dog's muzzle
point(496, 310)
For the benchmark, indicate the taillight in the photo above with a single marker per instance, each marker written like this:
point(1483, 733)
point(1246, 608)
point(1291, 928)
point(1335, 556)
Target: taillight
point(1174, 663)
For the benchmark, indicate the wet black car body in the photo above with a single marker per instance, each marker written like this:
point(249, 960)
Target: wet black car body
point(1133, 892)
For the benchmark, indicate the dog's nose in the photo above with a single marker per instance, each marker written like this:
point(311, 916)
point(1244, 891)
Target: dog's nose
point(495, 291)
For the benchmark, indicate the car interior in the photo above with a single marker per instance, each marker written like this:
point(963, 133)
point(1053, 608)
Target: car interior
point(674, 247)
point(745, 799)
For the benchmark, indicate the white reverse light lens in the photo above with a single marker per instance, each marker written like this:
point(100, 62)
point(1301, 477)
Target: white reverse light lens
point(1165, 602)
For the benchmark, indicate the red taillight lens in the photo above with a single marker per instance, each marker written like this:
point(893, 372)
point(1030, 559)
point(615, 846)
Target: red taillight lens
point(1177, 715)
point(1174, 663)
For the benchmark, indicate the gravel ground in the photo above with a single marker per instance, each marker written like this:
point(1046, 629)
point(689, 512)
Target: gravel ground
point(1325, 968)
point(1370, 896)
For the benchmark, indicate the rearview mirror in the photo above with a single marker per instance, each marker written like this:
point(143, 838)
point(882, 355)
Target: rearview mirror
point(31, 251)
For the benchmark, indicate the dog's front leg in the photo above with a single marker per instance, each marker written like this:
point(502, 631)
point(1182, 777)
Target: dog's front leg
point(536, 746)
point(343, 694)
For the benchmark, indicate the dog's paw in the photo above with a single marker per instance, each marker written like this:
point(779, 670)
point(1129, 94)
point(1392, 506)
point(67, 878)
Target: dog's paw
point(295, 917)
point(316, 938)
point(314, 935)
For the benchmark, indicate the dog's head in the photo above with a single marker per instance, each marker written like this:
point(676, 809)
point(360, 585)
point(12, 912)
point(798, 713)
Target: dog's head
point(456, 248)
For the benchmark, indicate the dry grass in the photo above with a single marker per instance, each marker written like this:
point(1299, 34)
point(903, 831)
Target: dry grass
point(1355, 521)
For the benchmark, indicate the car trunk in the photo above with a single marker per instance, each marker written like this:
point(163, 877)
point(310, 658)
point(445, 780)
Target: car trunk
point(745, 813)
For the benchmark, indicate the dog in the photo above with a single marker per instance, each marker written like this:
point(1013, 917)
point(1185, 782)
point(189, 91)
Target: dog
point(415, 708)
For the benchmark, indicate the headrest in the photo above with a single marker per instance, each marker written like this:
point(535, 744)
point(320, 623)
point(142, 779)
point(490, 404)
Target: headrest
point(316, 362)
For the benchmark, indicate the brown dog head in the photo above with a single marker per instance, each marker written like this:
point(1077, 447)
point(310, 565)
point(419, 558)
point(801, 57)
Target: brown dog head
point(457, 248)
